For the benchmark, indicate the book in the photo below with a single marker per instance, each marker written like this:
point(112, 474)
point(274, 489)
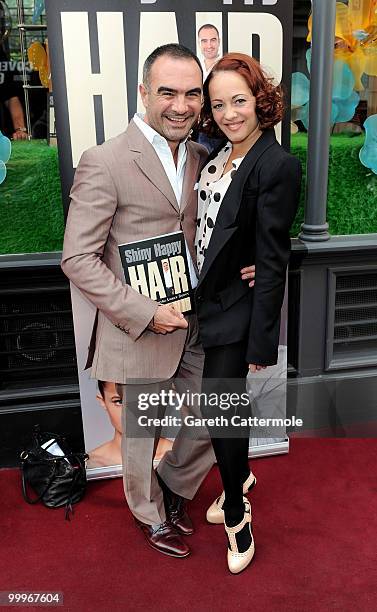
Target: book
point(158, 268)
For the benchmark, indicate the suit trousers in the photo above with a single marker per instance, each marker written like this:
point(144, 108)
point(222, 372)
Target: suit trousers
point(225, 368)
point(183, 467)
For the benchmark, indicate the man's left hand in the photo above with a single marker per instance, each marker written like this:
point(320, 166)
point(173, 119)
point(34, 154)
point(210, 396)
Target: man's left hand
point(248, 274)
point(18, 135)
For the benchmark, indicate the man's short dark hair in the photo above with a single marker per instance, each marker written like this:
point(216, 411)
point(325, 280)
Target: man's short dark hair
point(209, 25)
point(172, 50)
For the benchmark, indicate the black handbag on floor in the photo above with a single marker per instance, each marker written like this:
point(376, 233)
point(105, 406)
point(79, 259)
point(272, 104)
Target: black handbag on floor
point(53, 471)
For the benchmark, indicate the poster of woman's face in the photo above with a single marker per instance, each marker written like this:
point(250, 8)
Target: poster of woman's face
point(109, 397)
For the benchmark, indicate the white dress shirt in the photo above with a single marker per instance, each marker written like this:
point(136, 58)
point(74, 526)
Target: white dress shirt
point(175, 173)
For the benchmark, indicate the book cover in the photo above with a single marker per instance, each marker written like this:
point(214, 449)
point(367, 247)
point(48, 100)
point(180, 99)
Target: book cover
point(158, 268)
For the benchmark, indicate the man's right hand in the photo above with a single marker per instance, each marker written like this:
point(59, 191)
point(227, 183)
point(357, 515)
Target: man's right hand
point(167, 319)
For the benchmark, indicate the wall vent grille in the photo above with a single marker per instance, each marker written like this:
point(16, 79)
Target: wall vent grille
point(355, 315)
point(37, 346)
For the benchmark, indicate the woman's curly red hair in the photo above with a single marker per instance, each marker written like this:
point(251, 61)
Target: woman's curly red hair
point(269, 98)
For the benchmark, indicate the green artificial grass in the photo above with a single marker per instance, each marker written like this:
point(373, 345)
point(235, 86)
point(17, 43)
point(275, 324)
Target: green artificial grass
point(352, 188)
point(31, 212)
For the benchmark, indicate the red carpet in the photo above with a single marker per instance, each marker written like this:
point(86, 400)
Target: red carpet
point(315, 525)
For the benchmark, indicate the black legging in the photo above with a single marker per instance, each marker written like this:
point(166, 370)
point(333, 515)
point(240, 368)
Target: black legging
point(228, 362)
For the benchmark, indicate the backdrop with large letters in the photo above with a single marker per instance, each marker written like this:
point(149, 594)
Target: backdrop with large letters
point(97, 50)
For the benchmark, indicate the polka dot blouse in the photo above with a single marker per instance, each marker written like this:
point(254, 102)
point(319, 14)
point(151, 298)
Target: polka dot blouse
point(211, 190)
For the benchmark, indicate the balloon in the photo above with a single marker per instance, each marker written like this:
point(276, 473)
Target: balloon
point(5, 151)
point(38, 58)
point(37, 55)
point(343, 80)
point(308, 56)
point(342, 24)
point(355, 37)
point(5, 148)
point(303, 114)
point(44, 76)
point(3, 172)
point(334, 112)
point(346, 108)
point(349, 66)
point(310, 26)
point(356, 61)
point(368, 152)
point(300, 89)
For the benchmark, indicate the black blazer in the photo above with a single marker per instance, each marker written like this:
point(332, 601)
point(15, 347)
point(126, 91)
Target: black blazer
point(252, 225)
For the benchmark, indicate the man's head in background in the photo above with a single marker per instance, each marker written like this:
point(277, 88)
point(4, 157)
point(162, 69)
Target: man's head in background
point(209, 41)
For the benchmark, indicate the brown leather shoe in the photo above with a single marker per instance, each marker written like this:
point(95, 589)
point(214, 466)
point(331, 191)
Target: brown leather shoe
point(178, 517)
point(164, 538)
point(176, 513)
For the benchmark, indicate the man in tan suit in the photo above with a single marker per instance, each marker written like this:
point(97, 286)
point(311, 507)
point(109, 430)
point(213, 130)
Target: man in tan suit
point(135, 186)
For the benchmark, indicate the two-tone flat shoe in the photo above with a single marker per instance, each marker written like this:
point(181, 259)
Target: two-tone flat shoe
point(238, 561)
point(215, 513)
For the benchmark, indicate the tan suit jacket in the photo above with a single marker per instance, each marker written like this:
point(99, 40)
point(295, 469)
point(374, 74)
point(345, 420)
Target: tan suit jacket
point(121, 194)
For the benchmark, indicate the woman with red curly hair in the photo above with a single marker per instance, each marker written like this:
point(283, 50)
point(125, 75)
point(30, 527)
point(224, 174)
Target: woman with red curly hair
point(248, 194)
